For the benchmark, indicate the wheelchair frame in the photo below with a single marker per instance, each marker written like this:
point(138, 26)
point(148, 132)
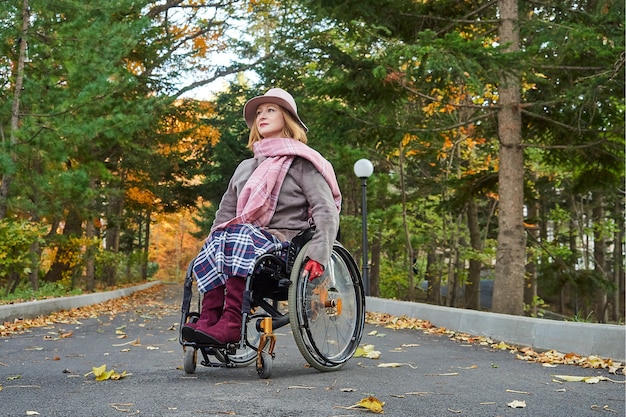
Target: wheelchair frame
point(329, 307)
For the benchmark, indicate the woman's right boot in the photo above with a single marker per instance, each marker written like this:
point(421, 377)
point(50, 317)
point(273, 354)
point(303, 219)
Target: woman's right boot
point(210, 313)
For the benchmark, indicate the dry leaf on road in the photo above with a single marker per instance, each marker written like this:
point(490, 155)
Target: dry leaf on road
point(517, 404)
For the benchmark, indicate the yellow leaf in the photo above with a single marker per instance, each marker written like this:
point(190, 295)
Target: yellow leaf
point(373, 404)
point(502, 346)
point(105, 375)
point(587, 379)
point(115, 376)
point(373, 354)
point(97, 371)
point(367, 351)
point(390, 365)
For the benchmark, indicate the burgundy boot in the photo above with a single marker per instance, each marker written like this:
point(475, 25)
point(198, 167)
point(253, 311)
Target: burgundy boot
point(212, 307)
point(228, 328)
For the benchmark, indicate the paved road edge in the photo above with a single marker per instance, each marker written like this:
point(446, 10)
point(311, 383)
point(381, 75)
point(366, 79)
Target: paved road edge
point(32, 309)
point(604, 340)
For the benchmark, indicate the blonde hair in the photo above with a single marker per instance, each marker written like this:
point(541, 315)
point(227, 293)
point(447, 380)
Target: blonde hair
point(293, 129)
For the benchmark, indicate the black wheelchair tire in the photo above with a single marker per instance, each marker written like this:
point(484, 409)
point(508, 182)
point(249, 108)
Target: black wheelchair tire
point(327, 338)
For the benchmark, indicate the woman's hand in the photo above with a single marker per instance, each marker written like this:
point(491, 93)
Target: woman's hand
point(313, 269)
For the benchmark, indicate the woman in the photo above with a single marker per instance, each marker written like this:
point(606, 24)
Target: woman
point(285, 188)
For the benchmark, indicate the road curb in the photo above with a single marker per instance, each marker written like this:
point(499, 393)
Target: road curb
point(604, 340)
point(32, 309)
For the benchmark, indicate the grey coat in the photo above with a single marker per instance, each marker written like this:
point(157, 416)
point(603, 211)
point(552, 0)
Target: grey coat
point(303, 187)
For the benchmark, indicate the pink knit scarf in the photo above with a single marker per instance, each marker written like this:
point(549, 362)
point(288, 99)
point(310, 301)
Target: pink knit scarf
point(257, 201)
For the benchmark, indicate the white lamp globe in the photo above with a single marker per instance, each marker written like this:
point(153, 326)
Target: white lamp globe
point(363, 168)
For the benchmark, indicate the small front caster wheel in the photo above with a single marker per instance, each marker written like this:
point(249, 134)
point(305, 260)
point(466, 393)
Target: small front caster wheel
point(190, 359)
point(264, 369)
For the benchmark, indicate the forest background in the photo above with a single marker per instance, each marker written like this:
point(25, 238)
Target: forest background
point(496, 129)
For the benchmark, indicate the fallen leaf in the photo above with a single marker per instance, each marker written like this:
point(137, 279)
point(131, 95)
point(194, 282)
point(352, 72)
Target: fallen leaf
point(517, 404)
point(372, 404)
point(390, 365)
point(419, 394)
point(102, 374)
point(367, 351)
point(518, 392)
point(587, 379)
point(124, 407)
point(502, 346)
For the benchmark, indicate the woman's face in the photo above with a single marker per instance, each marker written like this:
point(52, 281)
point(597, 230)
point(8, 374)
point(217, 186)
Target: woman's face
point(269, 120)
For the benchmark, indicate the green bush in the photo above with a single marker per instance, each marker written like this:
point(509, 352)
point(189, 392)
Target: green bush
point(16, 239)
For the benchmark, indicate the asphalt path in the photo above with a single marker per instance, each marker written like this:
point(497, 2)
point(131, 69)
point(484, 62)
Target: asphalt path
point(46, 372)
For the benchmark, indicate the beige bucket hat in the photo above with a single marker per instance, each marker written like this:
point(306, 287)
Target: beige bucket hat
point(276, 96)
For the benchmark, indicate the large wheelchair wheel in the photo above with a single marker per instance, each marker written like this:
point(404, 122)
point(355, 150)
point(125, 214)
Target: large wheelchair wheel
point(327, 314)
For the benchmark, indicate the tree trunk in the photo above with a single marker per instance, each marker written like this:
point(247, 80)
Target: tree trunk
point(59, 267)
point(599, 256)
point(530, 289)
point(508, 292)
point(618, 273)
point(112, 236)
point(407, 233)
point(35, 257)
point(7, 178)
point(472, 287)
point(90, 270)
point(433, 290)
point(146, 249)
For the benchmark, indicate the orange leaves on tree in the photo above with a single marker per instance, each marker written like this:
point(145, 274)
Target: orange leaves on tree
point(141, 196)
point(172, 246)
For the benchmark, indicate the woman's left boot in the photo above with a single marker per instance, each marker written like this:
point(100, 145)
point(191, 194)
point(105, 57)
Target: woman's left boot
point(228, 328)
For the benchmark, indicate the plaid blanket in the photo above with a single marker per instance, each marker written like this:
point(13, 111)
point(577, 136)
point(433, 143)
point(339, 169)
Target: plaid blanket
point(232, 251)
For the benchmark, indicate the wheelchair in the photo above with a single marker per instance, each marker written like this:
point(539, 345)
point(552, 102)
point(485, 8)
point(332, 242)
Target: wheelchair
point(326, 315)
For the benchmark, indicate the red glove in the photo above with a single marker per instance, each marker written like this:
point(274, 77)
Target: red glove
point(313, 269)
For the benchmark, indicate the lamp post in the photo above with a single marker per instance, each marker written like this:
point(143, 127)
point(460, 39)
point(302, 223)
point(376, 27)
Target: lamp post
point(363, 169)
